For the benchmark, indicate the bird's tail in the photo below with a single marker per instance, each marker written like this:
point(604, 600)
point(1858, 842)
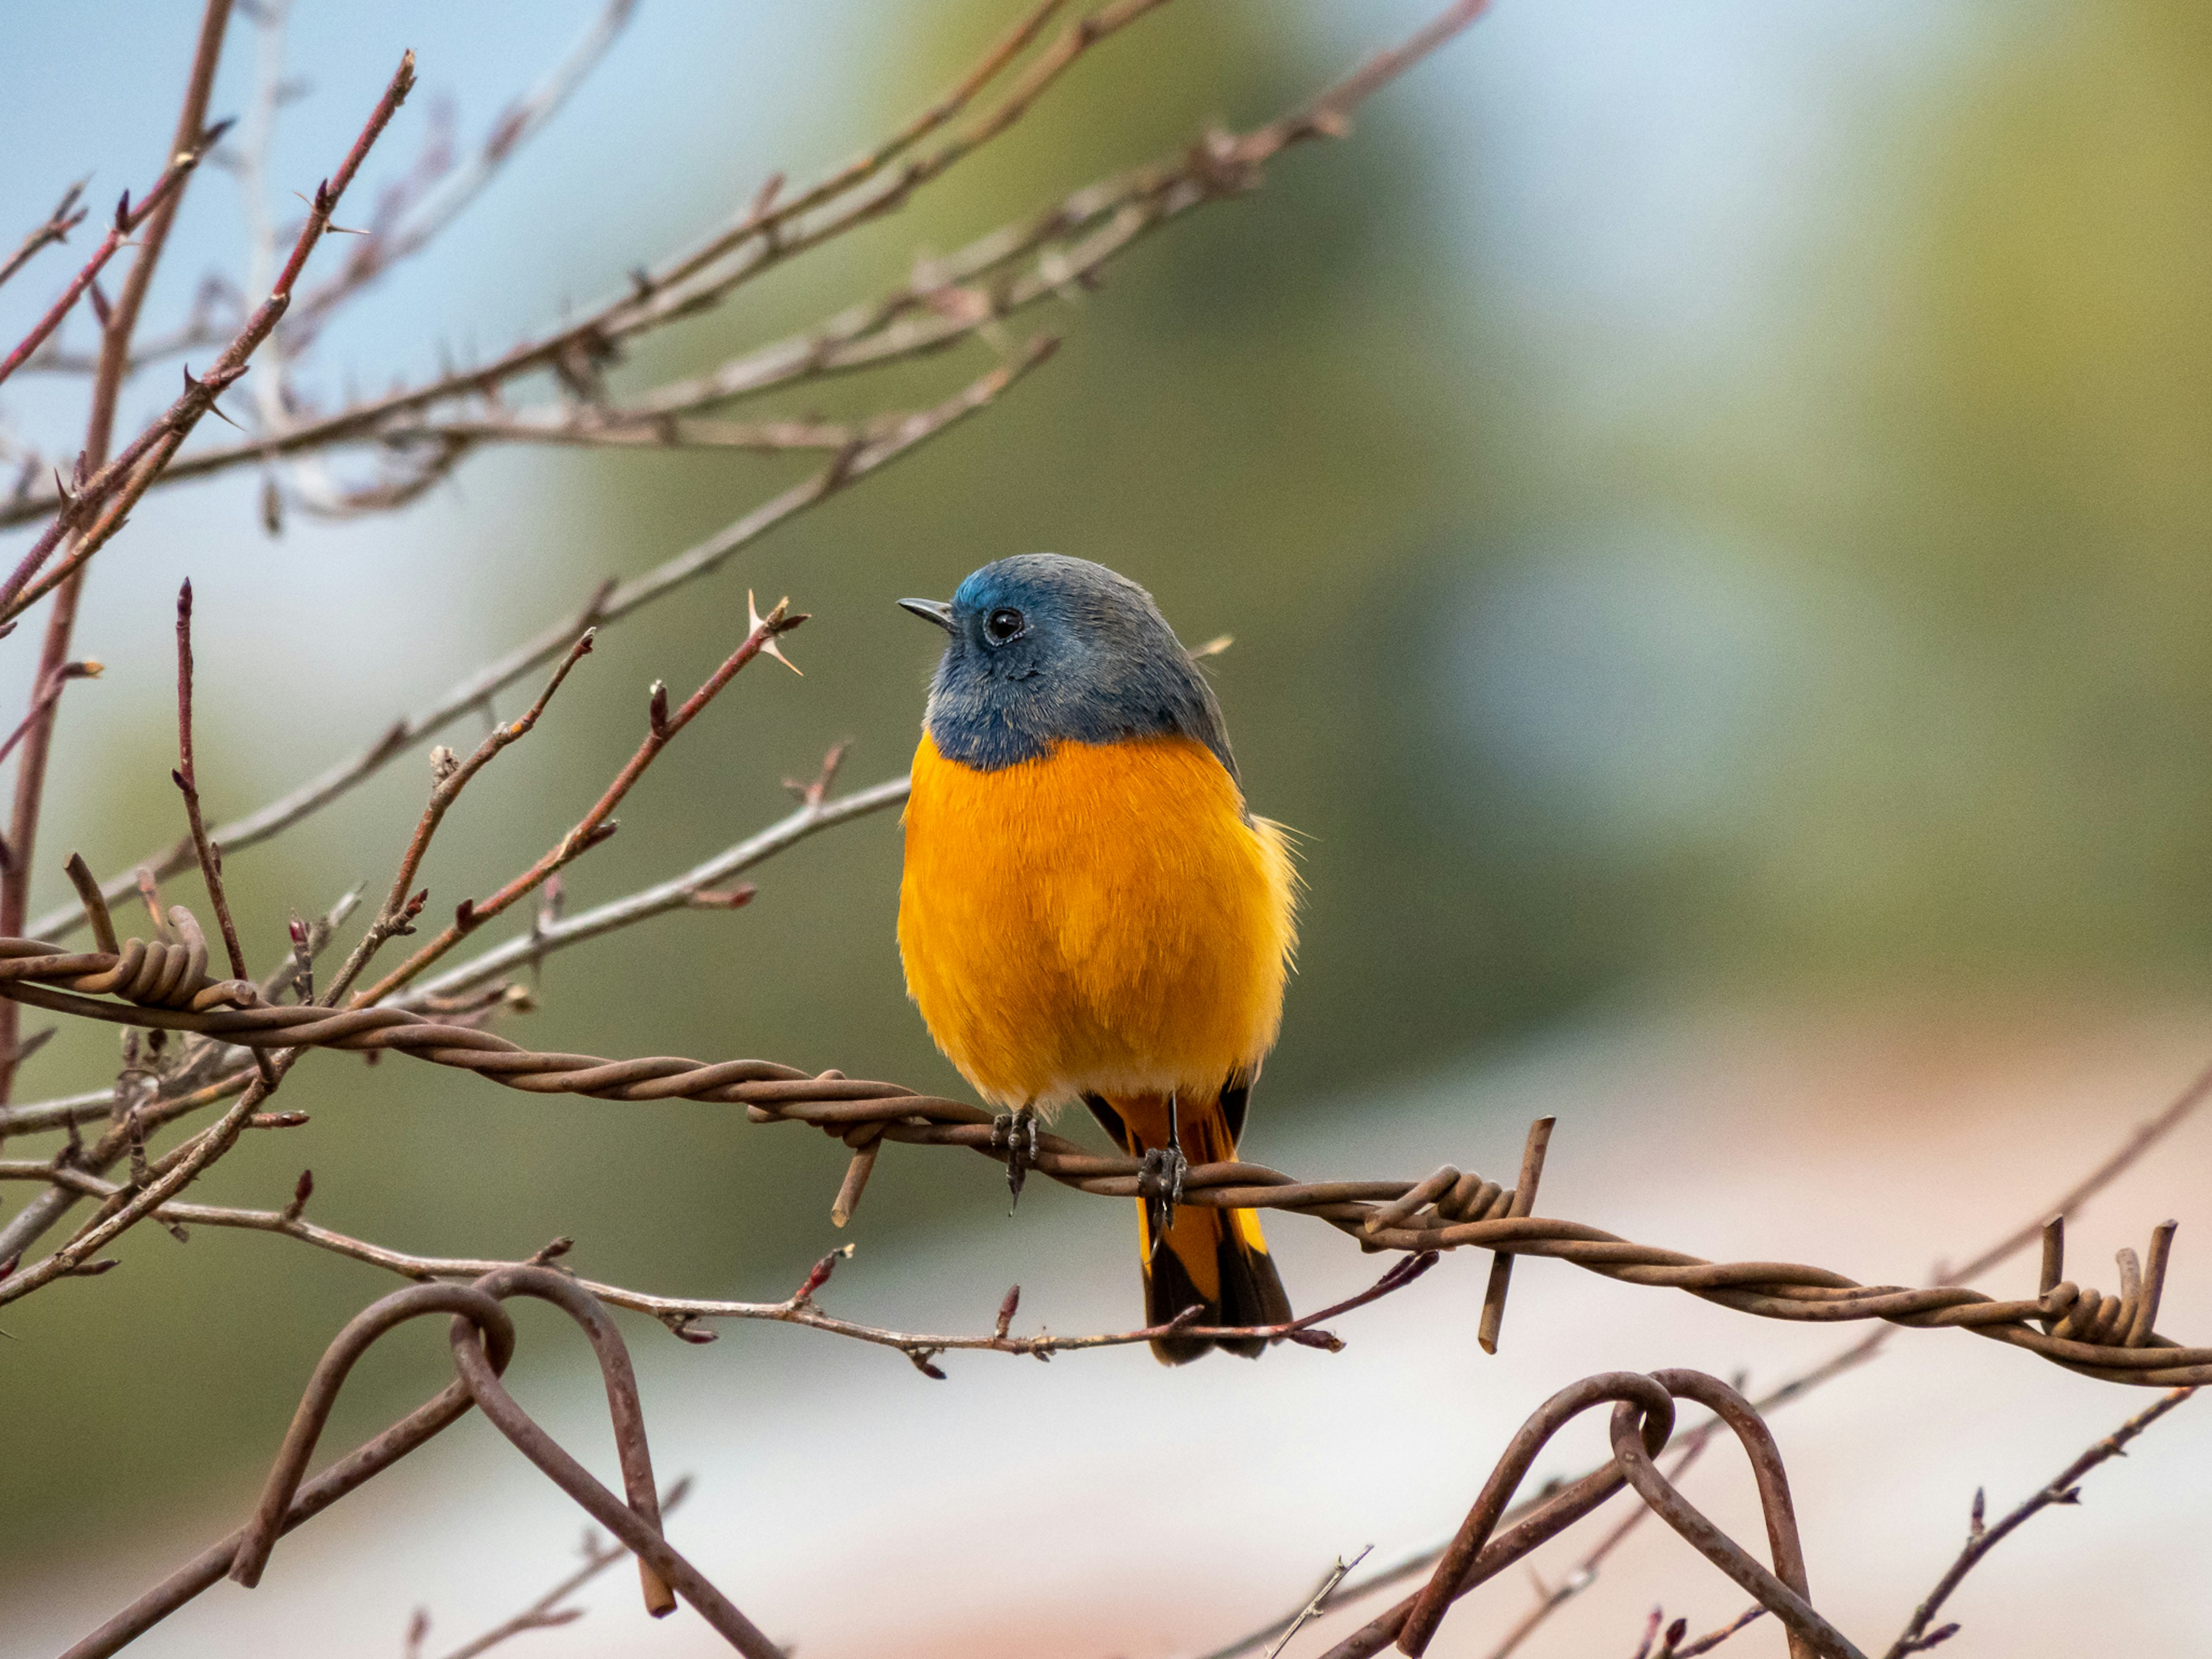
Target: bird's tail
point(1216, 1258)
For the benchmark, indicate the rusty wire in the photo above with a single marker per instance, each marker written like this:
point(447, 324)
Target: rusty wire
point(2111, 1337)
point(482, 1337)
point(482, 1341)
point(1642, 1420)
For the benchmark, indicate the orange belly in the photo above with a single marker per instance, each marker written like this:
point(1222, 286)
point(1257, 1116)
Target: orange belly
point(1102, 920)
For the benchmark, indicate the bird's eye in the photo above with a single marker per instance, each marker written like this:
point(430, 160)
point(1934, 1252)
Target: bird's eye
point(1004, 624)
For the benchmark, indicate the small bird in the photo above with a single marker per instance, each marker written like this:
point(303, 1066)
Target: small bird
point(1089, 911)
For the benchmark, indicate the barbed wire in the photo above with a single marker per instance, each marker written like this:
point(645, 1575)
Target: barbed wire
point(2110, 1337)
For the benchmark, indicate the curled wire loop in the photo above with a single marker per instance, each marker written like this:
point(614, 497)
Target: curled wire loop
point(2110, 1337)
point(162, 973)
point(1642, 1419)
point(483, 1339)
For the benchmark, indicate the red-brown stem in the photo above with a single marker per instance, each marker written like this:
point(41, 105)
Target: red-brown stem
point(119, 233)
point(65, 218)
point(210, 856)
point(44, 699)
point(398, 910)
point(162, 441)
point(594, 825)
point(188, 781)
point(132, 473)
point(99, 429)
point(660, 299)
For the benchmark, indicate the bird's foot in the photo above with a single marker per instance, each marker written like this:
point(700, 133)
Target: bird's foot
point(1015, 1133)
point(1159, 1183)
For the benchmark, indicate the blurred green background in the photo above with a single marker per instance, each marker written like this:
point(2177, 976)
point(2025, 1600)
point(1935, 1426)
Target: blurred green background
point(1710, 503)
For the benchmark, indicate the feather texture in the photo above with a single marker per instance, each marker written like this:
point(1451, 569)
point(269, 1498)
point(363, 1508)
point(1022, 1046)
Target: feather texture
point(1104, 920)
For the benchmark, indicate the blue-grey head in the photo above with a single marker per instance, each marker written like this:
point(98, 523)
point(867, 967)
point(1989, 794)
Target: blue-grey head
point(1045, 650)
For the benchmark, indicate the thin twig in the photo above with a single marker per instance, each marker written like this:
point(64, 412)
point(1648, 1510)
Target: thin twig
point(122, 321)
point(399, 235)
point(187, 781)
point(1713, 1639)
point(681, 1314)
point(2063, 1488)
point(66, 217)
point(202, 1151)
point(186, 778)
point(611, 605)
point(20, 592)
point(547, 1613)
point(449, 778)
point(1317, 1603)
point(46, 699)
point(678, 893)
point(599, 823)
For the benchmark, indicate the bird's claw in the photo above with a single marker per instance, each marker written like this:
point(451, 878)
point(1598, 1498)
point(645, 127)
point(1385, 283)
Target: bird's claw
point(1159, 1183)
point(1015, 1133)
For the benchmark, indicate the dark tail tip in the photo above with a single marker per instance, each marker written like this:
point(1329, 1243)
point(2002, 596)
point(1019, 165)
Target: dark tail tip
point(1251, 1294)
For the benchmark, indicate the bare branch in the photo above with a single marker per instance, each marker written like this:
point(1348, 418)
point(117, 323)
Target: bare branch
point(680, 892)
point(117, 327)
point(927, 314)
point(402, 227)
point(449, 778)
point(612, 604)
point(681, 1315)
point(125, 484)
point(599, 823)
point(66, 217)
point(2064, 1488)
point(547, 1613)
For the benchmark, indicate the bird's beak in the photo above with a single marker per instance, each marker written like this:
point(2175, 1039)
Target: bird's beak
point(934, 611)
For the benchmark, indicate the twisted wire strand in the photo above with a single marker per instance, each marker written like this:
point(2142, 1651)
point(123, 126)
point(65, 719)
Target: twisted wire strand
point(2111, 1337)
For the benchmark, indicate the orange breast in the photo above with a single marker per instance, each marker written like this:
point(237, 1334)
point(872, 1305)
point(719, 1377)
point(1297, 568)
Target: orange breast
point(1103, 920)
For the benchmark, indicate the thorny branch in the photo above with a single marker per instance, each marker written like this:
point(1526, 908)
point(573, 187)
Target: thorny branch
point(118, 325)
point(773, 230)
point(128, 218)
point(598, 823)
point(66, 217)
point(2063, 1488)
point(110, 492)
point(611, 603)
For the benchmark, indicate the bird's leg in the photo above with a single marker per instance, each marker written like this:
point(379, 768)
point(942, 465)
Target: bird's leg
point(1160, 1181)
point(1015, 1133)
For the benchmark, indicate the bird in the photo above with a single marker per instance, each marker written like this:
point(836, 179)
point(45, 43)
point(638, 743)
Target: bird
point(1089, 911)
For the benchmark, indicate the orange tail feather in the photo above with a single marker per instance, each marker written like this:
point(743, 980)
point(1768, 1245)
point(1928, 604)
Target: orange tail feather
point(1216, 1258)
